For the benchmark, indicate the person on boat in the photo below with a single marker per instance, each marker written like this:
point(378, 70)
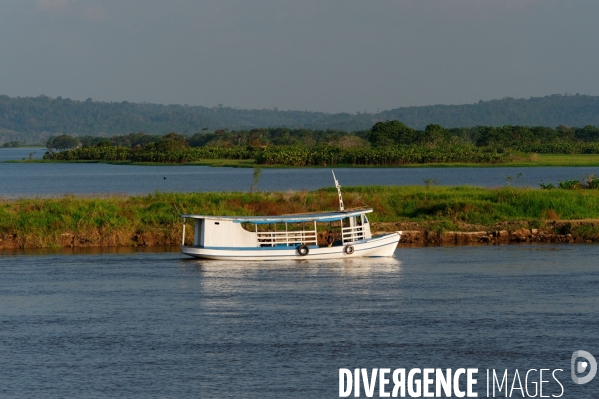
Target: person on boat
point(330, 239)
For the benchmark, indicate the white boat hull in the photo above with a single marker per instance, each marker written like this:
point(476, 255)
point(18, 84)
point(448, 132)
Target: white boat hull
point(381, 246)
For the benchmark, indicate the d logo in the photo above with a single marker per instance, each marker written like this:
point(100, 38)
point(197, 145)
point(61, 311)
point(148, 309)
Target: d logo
point(581, 366)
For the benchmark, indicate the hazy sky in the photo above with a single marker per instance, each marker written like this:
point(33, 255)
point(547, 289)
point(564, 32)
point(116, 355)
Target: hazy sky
point(317, 55)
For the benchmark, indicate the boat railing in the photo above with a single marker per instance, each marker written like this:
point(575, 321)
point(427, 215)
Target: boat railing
point(276, 238)
point(351, 234)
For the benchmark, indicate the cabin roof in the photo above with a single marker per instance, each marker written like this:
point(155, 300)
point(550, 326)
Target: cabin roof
point(292, 218)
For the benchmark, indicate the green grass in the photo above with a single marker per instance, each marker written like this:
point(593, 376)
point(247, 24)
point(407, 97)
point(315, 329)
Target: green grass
point(568, 160)
point(473, 205)
point(124, 221)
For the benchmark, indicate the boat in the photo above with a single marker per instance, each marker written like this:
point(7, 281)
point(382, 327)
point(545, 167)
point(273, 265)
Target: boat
point(294, 236)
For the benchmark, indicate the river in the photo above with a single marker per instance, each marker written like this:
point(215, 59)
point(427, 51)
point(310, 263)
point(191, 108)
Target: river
point(128, 324)
point(43, 179)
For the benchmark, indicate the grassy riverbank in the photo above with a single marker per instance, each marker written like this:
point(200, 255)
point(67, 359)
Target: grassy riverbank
point(153, 220)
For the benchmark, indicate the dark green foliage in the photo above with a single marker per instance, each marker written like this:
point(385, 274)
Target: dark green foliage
point(11, 144)
point(200, 139)
point(150, 154)
point(268, 136)
point(171, 142)
point(590, 182)
point(393, 143)
point(134, 139)
point(587, 134)
point(62, 142)
point(91, 141)
point(389, 155)
point(224, 138)
point(527, 139)
point(391, 132)
point(319, 155)
point(569, 184)
point(395, 132)
point(434, 134)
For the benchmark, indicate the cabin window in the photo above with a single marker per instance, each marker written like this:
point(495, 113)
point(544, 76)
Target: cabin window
point(365, 219)
point(216, 223)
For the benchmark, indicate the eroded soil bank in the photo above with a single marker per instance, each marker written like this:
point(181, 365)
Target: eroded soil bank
point(563, 231)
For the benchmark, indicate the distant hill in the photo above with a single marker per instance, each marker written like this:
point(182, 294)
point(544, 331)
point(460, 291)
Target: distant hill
point(552, 111)
point(34, 119)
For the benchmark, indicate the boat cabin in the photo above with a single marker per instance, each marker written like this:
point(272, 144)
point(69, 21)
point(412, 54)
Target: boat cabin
point(278, 231)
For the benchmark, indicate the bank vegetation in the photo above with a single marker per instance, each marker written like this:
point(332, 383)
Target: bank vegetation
point(426, 212)
point(390, 143)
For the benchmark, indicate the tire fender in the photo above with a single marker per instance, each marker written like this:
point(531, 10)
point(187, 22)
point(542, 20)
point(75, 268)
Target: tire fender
point(303, 250)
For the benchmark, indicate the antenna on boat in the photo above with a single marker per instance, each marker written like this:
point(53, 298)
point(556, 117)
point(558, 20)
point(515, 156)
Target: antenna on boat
point(341, 207)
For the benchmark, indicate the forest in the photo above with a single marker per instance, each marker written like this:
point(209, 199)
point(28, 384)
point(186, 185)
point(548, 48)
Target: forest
point(35, 119)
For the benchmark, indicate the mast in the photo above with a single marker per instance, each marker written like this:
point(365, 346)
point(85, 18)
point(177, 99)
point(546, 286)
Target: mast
point(341, 207)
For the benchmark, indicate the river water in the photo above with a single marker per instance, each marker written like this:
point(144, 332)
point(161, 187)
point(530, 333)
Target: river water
point(98, 178)
point(129, 324)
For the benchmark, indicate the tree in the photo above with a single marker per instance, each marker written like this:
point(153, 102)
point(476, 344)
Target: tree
point(11, 144)
point(588, 133)
point(91, 141)
point(391, 132)
point(434, 134)
point(488, 136)
point(62, 142)
point(172, 141)
point(200, 139)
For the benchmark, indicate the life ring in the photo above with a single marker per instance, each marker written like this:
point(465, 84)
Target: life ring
point(303, 250)
point(349, 249)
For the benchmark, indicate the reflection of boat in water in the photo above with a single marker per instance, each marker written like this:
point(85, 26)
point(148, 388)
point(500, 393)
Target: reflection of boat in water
point(287, 236)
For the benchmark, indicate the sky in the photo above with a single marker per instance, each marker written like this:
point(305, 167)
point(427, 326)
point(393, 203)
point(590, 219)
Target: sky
point(316, 55)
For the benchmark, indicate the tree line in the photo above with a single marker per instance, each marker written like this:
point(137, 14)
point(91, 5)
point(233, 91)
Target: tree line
point(220, 138)
point(31, 119)
point(386, 143)
point(539, 139)
point(508, 136)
